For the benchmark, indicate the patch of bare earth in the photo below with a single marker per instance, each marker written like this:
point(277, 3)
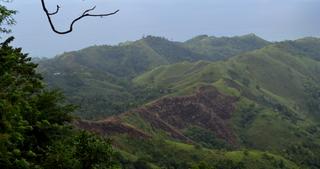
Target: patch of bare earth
point(207, 108)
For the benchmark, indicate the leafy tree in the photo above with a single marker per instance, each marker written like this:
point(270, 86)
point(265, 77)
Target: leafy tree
point(81, 151)
point(6, 18)
point(34, 121)
point(31, 117)
point(93, 152)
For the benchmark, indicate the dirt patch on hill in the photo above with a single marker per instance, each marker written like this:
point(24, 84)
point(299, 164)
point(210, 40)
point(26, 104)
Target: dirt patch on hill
point(207, 108)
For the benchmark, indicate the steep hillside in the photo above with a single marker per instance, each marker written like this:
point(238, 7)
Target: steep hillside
point(98, 78)
point(207, 109)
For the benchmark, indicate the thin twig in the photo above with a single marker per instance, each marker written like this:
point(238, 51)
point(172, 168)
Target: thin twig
point(57, 10)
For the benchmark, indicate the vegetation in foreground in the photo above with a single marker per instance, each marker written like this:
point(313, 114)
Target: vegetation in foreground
point(34, 125)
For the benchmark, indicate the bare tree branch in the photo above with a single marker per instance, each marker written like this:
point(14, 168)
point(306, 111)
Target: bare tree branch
point(84, 14)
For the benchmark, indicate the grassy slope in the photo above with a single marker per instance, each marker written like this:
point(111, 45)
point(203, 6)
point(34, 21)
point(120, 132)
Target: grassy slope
point(166, 153)
point(272, 68)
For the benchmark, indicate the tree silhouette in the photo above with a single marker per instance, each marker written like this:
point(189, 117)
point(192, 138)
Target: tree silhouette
point(86, 13)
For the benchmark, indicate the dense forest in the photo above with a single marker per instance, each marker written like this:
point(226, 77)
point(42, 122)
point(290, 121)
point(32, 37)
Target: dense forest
point(207, 103)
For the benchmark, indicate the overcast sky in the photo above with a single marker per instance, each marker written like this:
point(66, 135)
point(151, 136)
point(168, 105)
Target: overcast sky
point(178, 20)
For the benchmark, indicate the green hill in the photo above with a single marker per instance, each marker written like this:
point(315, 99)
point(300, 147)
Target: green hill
point(98, 78)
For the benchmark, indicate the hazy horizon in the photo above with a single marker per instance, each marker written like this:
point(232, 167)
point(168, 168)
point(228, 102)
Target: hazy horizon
point(177, 20)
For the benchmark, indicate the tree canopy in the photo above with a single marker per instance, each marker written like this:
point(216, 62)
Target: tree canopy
point(35, 130)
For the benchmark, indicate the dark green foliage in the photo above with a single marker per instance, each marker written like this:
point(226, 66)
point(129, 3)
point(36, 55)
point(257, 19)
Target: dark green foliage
point(306, 154)
point(248, 115)
point(34, 130)
point(81, 151)
point(141, 164)
point(313, 102)
point(93, 152)
point(31, 117)
point(97, 103)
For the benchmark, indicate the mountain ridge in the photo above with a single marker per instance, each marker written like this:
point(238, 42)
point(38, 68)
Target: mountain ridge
point(261, 100)
point(111, 70)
